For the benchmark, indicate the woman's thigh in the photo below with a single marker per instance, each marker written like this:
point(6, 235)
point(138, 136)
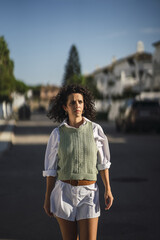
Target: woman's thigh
point(68, 229)
point(88, 228)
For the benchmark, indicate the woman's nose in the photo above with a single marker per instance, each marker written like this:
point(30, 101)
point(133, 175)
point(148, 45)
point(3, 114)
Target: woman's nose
point(77, 104)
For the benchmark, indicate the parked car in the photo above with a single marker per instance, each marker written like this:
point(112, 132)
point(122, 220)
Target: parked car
point(24, 112)
point(139, 114)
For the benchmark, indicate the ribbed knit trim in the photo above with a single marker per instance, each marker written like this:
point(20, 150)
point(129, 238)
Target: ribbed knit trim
point(77, 153)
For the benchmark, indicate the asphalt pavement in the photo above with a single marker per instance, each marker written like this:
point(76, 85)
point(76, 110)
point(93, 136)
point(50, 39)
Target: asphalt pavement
point(134, 176)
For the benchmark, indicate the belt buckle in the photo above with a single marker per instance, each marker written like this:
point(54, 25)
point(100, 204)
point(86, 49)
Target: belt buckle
point(74, 182)
point(77, 182)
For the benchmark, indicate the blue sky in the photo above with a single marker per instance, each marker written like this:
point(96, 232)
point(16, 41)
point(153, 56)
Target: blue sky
point(40, 33)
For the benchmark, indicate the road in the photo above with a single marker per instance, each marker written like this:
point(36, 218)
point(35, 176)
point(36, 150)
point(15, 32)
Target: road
point(134, 175)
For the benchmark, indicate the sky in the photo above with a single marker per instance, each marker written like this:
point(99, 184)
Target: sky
point(40, 33)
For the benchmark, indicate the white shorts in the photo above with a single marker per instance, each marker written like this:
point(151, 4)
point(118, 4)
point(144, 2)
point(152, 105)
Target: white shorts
point(75, 202)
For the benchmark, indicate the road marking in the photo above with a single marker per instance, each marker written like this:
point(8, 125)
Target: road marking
point(116, 139)
point(43, 139)
point(30, 139)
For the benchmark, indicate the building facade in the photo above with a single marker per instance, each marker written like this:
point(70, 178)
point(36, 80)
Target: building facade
point(131, 73)
point(156, 66)
point(47, 92)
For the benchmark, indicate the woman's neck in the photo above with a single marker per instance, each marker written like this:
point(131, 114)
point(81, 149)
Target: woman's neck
point(75, 122)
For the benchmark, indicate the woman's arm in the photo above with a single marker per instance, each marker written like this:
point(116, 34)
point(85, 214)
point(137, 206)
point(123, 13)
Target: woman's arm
point(50, 182)
point(108, 197)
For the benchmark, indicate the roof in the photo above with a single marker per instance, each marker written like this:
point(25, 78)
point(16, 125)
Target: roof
point(156, 44)
point(50, 87)
point(137, 55)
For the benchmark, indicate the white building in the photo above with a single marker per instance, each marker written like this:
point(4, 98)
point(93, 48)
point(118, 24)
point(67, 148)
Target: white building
point(18, 100)
point(133, 72)
point(156, 66)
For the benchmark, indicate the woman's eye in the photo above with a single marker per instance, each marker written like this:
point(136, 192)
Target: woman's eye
point(72, 103)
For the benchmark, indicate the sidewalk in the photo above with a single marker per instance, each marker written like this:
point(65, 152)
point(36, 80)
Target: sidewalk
point(6, 134)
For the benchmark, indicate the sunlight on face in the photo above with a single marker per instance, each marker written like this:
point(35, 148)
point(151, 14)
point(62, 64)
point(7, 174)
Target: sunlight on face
point(75, 105)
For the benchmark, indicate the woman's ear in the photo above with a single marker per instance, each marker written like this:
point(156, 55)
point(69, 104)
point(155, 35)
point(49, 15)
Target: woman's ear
point(65, 108)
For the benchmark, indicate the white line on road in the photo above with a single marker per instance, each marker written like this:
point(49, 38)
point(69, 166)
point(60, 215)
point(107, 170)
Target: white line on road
point(116, 139)
point(30, 139)
point(43, 139)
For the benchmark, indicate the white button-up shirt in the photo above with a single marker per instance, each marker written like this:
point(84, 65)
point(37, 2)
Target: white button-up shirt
point(51, 155)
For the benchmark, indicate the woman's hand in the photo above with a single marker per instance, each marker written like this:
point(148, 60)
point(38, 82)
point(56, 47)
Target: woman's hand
point(108, 198)
point(49, 187)
point(47, 207)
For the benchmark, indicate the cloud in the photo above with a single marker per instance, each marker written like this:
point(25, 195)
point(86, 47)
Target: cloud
point(150, 30)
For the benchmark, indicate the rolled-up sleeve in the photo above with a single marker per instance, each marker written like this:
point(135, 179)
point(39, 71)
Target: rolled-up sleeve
point(103, 157)
point(51, 156)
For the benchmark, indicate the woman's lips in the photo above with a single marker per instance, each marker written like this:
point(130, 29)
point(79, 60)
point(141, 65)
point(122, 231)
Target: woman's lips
point(77, 110)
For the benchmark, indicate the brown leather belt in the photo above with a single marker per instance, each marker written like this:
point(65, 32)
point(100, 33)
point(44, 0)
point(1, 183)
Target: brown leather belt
point(78, 182)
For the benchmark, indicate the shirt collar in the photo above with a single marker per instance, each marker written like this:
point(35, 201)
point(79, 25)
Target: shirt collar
point(66, 124)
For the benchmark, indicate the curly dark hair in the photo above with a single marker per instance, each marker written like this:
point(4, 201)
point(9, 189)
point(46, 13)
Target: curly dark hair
point(56, 111)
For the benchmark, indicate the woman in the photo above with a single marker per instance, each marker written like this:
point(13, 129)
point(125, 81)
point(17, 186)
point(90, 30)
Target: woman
point(75, 152)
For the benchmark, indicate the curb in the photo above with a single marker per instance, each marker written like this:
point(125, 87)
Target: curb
point(6, 136)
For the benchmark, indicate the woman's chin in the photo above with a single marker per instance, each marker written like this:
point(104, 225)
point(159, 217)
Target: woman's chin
point(78, 115)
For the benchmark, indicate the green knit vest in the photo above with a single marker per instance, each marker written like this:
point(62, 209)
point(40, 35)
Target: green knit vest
point(77, 153)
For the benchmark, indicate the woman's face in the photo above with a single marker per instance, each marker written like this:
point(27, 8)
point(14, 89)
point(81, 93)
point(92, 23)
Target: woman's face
point(75, 105)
